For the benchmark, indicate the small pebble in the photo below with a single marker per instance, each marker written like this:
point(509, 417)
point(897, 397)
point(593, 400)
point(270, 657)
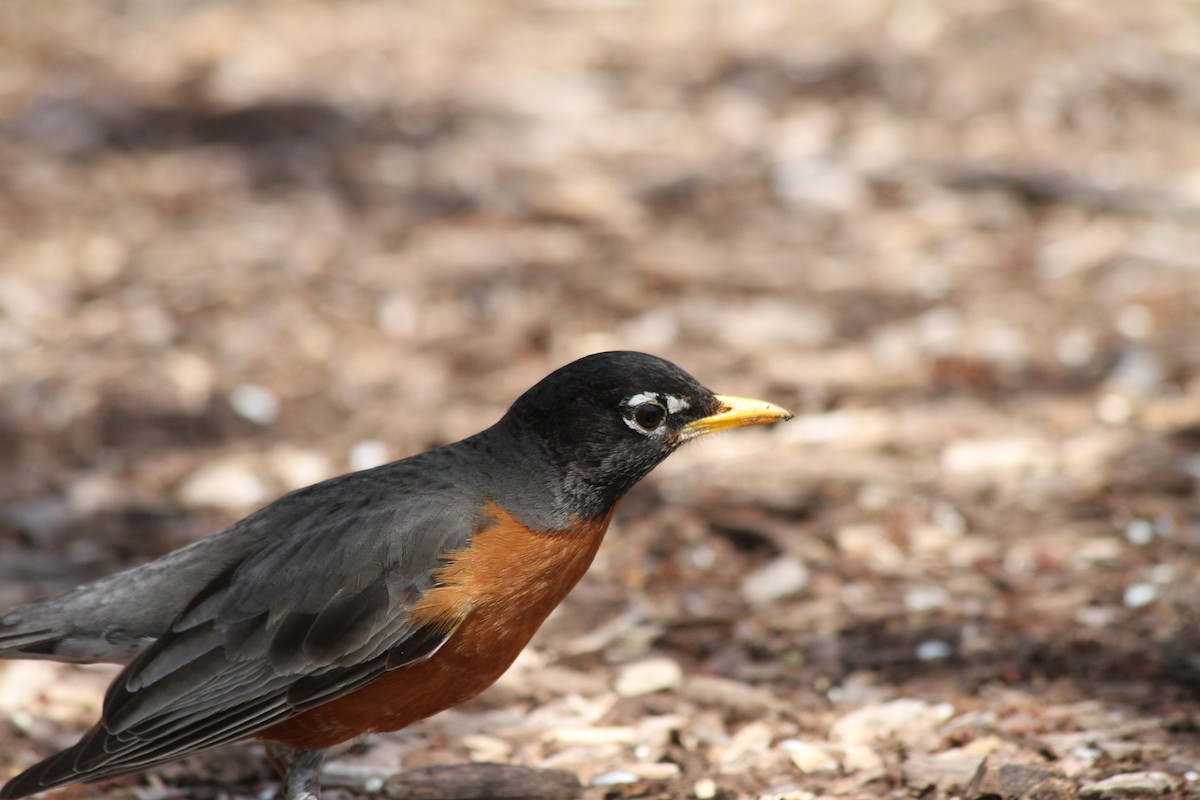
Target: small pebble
point(1075, 349)
point(655, 733)
point(654, 770)
point(399, 316)
point(594, 734)
point(929, 541)
point(1141, 594)
point(367, 454)
point(948, 518)
point(1096, 617)
point(749, 741)
point(1131, 784)
point(297, 467)
point(774, 580)
point(941, 329)
point(705, 789)
point(767, 322)
point(614, 778)
point(487, 748)
point(933, 650)
point(1138, 372)
point(657, 329)
point(702, 556)
point(255, 403)
point(1135, 321)
point(786, 791)
point(869, 543)
point(647, 676)
point(22, 681)
point(227, 483)
point(192, 377)
point(903, 718)
point(1004, 344)
point(808, 758)
point(94, 493)
point(741, 699)
point(23, 722)
point(1139, 531)
point(946, 772)
point(1161, 573)
point(1114, 409)
point(926, 598)
point(985, 456)
point(819, 182)
point(860, 758)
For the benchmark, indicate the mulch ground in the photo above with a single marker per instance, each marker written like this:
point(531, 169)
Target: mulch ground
point(245, 246)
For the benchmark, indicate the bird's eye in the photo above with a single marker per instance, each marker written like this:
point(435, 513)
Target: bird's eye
point(649, 416)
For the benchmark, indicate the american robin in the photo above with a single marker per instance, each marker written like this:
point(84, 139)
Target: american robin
point(372, 600)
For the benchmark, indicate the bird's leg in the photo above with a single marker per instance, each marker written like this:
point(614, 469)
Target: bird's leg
point(304, 775)
point(277, 756)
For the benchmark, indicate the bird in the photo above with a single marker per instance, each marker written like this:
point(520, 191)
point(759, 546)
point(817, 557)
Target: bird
point(371, 600)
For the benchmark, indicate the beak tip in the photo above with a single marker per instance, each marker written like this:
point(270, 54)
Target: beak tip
point(738, 412)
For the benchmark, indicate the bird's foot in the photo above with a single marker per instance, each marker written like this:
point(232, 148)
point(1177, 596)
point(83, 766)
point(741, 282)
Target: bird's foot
point(304, 775)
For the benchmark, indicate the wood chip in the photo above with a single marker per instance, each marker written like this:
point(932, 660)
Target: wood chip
point(494, 781)
point(1019, 782)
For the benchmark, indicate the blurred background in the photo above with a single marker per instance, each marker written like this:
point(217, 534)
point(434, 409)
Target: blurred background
point(246, 246)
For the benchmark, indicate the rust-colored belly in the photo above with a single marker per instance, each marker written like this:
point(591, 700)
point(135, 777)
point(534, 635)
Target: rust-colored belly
point(502, 588)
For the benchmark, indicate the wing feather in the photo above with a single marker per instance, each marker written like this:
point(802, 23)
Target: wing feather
point(270, 637)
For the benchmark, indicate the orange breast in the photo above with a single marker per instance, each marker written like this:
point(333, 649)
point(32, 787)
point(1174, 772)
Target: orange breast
point(502, 587)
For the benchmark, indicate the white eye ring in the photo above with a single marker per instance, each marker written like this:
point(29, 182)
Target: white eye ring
point(650, 402)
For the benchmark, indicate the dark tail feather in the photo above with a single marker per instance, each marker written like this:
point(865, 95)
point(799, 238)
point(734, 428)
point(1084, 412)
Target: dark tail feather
point(29, 643)
point(36, 778)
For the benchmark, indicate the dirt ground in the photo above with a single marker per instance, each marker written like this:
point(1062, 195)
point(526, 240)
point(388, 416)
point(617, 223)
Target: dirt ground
point(248, 245)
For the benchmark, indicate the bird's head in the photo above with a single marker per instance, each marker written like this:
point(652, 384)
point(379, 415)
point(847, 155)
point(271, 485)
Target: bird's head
point(604, 421)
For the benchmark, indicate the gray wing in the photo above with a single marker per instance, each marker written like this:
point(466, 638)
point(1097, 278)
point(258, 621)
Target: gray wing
point(110, 620)
point(310, 618)
point(117, 617)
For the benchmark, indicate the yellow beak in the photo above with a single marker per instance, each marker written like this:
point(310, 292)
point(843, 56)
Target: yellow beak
point(735, 412)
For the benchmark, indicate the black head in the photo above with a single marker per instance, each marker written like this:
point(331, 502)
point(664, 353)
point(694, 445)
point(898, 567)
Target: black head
point(598, 425)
